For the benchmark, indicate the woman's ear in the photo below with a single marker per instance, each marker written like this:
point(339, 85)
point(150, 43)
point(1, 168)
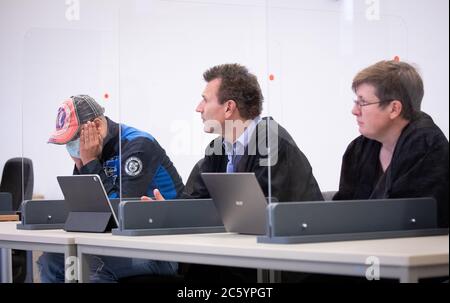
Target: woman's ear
point(396, 109)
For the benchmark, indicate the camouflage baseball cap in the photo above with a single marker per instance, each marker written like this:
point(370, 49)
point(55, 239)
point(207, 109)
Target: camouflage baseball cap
point(73, 113)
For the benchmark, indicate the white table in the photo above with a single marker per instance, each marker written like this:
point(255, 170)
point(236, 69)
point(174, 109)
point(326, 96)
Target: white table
point(56, 240)
point(406, 259)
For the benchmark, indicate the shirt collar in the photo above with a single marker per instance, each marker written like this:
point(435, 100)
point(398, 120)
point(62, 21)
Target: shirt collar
point(241, 143)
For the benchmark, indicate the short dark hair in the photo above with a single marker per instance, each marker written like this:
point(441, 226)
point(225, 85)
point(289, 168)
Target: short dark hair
point(394, 80)
point(237, 84)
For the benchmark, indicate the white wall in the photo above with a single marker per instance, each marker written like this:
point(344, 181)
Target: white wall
point(149, 57)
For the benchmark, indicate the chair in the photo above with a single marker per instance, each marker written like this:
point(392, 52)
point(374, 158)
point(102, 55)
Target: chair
point(5, 202)
point(18, 180)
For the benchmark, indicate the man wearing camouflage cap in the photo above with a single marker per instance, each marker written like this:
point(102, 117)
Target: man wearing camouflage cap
point(93, 141)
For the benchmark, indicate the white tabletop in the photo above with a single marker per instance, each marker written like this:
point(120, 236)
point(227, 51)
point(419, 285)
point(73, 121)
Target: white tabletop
point(407, 258)
point(9, 232)
point(399, 252)
point(55, 240)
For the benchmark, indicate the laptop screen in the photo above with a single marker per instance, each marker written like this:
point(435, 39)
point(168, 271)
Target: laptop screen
point(85, 193)
point(239, 200)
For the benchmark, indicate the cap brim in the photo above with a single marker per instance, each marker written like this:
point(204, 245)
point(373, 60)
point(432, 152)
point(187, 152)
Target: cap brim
point(64, 137)
point(67, 124)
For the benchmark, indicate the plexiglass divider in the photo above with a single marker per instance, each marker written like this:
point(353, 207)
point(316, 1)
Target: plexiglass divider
point(143, 62)
point(68, 49)
point(165, 47)
point(315, 49)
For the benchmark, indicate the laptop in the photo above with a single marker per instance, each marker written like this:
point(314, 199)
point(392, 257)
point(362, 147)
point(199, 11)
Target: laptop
point(89, 207)
point(239, 200)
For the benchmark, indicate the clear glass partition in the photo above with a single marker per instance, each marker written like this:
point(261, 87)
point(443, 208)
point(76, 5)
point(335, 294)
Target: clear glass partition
point(143, 62)
point(165, 47)
point(63, 49)
point(10, 113)
point(315, 48)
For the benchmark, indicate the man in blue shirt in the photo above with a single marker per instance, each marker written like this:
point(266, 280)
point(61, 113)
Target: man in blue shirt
point(231, 107)
point(94, 141)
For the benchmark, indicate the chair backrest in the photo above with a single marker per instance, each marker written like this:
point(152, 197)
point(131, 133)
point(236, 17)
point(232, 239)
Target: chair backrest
point(18, 172)
point(5, 202)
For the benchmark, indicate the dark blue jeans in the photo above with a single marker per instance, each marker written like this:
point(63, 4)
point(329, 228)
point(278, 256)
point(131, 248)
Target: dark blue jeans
point(104, 269)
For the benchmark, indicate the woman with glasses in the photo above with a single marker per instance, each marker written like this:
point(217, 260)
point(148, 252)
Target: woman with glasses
point(401, 153)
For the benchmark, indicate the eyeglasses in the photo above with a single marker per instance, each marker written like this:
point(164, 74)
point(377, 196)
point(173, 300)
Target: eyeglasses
point(361, 103)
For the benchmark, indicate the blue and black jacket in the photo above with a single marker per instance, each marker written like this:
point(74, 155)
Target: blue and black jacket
point(142, 166)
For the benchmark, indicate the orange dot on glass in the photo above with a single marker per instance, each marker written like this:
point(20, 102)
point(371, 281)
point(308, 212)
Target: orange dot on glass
point(397, 59)
point(271, 77)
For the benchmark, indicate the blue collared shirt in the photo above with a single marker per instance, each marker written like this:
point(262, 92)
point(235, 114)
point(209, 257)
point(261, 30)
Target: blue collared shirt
point(235, 150)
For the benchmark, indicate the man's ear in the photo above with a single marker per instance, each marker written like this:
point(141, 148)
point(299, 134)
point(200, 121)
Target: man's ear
point(101, 126)
point(396, 109)
point(98, 122)
point(230, 108)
